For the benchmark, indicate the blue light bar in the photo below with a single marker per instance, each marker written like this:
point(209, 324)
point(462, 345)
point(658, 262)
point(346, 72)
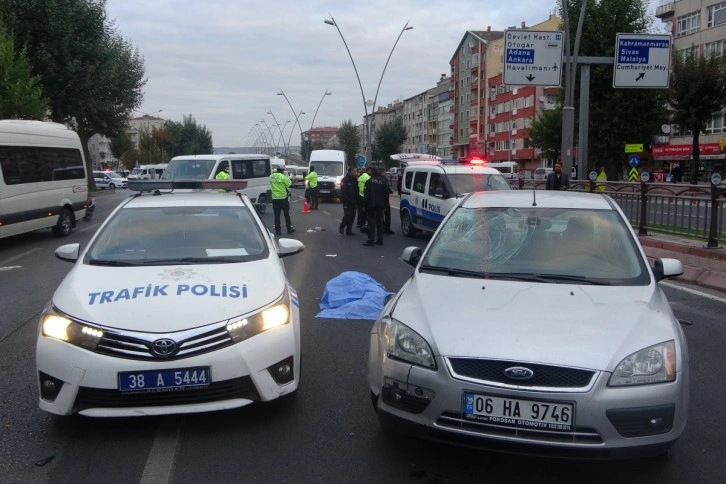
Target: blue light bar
point(151, 185)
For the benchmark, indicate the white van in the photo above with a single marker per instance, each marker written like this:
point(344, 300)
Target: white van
point(297, 175)
point(540, 174)
point(254, 168)
point(509, 169)
point(147, 172)
point(330, 167)
point(43, 181)
point(430, 189)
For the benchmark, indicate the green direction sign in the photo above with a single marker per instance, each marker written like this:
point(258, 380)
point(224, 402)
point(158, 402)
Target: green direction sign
point(634, 148)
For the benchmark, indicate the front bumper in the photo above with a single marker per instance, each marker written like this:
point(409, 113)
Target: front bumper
point(240, 374)
point(609, 422)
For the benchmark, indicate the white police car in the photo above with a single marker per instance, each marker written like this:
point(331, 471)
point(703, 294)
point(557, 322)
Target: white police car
point(179, 304)
point(431, 188)
point(533, 324)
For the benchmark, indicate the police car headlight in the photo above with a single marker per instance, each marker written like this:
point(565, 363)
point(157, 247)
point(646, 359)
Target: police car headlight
point(57, 325)
point(403, 343)
point(655, 364)
point(247, 326)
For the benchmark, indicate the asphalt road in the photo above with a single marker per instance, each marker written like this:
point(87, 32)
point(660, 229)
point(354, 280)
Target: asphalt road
point(328, 431)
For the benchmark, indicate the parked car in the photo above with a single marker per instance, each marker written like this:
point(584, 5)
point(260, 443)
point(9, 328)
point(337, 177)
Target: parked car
point(109, 179)
point(179, 304)
point(533, 324)
point(540, 174)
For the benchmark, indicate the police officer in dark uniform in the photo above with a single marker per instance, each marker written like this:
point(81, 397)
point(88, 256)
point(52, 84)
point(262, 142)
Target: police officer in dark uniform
point(376, 198)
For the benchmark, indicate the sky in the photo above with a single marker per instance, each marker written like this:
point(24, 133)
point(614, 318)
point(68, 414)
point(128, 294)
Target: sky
point(224, 61)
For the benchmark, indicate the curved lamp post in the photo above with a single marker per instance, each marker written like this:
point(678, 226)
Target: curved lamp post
point(281, 139)
point(261, 138)
point(368, 121)
point(276, 122)
point(292, 129)
point(326, 93)
point(270, 132)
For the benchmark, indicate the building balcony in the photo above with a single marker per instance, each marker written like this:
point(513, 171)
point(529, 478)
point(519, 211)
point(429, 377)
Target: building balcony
point(666, 9)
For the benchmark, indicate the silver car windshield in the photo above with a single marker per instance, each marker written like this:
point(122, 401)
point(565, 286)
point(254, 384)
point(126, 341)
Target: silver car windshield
point(537, 244)
point(178, 235)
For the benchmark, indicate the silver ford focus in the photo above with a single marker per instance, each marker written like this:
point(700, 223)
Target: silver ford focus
point(534, 324)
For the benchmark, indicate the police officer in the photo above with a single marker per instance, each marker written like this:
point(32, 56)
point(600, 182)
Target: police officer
point(312, 179)
point(362, 179)
point(223, 173)
point(279, 185)
point(349, 196)
point(376, 199)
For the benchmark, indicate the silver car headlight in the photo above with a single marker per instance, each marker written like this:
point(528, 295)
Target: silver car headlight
point(403, 343)
point(655, 364)
point(243, 327)
point(54, 324)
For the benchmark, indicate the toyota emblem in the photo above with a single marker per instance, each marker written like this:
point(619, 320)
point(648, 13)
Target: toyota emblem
point(519, 373)
point(164, 347)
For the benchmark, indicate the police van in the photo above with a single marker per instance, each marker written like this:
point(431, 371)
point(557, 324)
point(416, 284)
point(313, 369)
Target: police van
point(431, 188)
point(43, 181)
point(255, 168)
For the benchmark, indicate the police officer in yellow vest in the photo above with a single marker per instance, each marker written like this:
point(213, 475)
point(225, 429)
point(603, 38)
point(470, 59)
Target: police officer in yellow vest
point(279, 185)
point(362, 179)
point(312, 179)
point(602, 179)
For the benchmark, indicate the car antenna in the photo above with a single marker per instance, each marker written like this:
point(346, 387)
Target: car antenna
point(534, 197)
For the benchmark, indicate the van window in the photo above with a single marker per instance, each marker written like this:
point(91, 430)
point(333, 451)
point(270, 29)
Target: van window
point(22, 164)
point(250, 168)
point(437, 186)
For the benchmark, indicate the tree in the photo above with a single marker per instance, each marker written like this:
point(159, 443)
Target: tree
point(189, 138)
point(21, 95)
point(93, 78)
point(617, 116)
point(697, 92)
point(546, 133)
point(389, 141)
point(130, 158)
point(349, 141)
point(120, 144)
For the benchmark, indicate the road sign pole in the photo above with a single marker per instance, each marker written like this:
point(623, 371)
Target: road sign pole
point(582, 143)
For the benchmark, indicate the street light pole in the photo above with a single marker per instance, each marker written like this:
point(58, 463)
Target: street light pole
point(368, 121)
point(282, 139)
point(312, 124)
point(297, 116)
point(275, 119)
point(292, 129)
point(269, 130)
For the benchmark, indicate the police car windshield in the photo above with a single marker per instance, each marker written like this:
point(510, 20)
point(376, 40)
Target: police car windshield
point(178, 235)
point(473, 182)
point(567, 246)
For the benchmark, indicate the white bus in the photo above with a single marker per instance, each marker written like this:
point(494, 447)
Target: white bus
point(43, 182)
point(255, 168)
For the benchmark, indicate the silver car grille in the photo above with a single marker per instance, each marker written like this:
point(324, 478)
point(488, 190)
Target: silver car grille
point(137, 345)
point(550, 377)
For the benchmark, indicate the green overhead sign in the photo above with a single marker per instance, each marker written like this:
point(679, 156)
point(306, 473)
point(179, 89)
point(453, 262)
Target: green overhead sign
point(634, 148)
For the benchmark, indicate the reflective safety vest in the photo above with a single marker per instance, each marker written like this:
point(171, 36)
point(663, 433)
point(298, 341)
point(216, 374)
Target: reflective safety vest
point(279, 183)
point(362, 179)
point(602, 177)
point(312, 179)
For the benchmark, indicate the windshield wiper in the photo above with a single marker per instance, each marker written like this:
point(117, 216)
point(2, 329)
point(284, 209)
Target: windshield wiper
point(453, 272)
point(193, 260)
point(576, 279)
point(108, 262)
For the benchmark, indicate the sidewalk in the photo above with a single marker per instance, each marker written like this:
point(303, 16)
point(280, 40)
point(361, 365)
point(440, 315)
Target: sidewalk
point(702, 266)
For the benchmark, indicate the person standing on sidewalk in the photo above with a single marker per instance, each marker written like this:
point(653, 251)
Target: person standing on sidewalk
point(280, 187)
point(362, 179)
point(349, 196)
point(312, 179)
point(376, 198)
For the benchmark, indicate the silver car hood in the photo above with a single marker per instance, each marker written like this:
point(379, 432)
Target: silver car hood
point(583, 326)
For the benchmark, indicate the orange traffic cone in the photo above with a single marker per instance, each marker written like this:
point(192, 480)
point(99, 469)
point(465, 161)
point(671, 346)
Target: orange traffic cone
point(306, 208)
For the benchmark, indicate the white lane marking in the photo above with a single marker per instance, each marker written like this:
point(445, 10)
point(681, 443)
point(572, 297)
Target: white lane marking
point(160, 463)
point(19, 256)
point(694, 292)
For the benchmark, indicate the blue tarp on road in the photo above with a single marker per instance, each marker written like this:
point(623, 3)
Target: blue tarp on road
point(353, 295)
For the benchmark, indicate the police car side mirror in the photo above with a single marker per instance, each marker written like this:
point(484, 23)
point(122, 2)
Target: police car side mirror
point(286, 247)
point(68, 252)
point(667, 268)
point(411, 256)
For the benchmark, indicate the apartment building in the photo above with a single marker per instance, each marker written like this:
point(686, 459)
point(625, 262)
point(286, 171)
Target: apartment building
point(697, 26)
point(99, 148)
point(468, 77)
point(142, 123)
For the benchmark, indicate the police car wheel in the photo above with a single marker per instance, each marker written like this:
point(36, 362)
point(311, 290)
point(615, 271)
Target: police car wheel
point(407, 225)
